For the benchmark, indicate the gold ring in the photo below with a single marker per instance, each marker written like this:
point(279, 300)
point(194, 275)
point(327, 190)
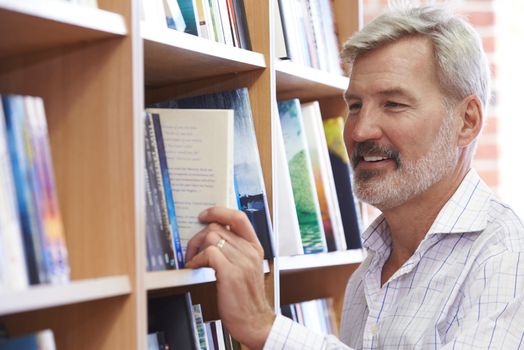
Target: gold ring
point(221, 243)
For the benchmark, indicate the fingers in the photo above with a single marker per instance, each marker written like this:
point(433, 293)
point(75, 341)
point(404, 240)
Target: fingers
point(235, 219)
point(209, 235)
point(212, 257)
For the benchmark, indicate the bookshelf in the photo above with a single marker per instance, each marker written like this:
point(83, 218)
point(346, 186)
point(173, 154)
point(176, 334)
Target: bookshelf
point(96, 69)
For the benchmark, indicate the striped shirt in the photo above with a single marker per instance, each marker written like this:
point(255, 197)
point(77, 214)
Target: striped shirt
point(463, 288)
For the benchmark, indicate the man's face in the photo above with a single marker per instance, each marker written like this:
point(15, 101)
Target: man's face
point(399, 135)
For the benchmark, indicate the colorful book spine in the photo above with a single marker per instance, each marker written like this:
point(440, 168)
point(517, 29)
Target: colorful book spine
point(310, 112)
point(302, 180)
point(16, 131)
point(287, 226)
point(334, 129)
point(165, 190)
point(190, 15)
point(160, 249)
point(48, 198)
point(13, 270)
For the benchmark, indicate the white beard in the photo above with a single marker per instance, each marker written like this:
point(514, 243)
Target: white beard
point(412, 177)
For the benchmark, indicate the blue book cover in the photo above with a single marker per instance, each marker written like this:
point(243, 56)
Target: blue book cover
point(159, 241)
point(168, 192)
point(17, 139)
point(188, 9)
point(302, 180)
point(42, 340)
point(249, 182)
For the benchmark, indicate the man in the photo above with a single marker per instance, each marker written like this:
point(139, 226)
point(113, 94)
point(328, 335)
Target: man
point(445, 267)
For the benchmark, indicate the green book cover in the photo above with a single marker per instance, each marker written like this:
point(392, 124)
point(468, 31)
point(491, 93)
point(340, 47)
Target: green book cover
point(302, 181)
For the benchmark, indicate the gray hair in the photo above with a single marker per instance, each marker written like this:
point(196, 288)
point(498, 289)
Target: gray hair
point(463, 68)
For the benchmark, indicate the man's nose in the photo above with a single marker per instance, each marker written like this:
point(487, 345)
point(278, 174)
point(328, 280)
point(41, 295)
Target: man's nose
point(365, 126)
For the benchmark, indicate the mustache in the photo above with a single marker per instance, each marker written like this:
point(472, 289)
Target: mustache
point(372, 148)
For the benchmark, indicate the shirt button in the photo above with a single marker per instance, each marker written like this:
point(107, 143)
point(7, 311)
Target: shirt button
point(374, 329)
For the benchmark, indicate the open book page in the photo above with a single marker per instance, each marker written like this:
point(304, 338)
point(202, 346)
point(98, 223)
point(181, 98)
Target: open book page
point(199, 151)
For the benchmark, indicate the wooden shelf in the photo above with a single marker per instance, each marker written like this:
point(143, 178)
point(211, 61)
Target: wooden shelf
point(35, 25)
point(296, 81)
point(171, 56)
point(183, 277)
point(46, 296)
point(314, 261)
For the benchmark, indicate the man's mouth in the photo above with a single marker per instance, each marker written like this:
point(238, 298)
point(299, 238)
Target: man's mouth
point(374, 158)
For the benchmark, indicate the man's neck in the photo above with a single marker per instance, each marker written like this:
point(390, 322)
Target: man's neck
point(409, 223)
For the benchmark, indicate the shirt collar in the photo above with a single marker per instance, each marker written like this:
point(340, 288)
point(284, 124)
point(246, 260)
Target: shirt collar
point(465, 211)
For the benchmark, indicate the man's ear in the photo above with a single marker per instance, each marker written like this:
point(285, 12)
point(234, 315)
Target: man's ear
point(471, 120)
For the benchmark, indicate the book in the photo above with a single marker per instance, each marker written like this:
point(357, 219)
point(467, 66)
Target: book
point(50, 216)
point(172, 241)
point(198, 149)
point(241, 24)
point(13, 270)
point(174, 17)
point(248, 178)
point(190, 15)
point(154, 12)
point(162, 237)
point(173, 315)
point(302, 180)
point(287, 227)
point(41, 340)
point(201, 327)
point(329, 208)
point(334, 129)
point(37, 260)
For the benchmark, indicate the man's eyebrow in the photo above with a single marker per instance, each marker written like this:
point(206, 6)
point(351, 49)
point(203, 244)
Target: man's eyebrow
point(348, 96)
point(397, 91)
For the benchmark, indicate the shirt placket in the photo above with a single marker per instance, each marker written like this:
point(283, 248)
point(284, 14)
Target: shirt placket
point(376, 298)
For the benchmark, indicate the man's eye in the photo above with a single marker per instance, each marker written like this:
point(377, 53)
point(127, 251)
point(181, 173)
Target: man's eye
point(354, 107)
point(392, 104)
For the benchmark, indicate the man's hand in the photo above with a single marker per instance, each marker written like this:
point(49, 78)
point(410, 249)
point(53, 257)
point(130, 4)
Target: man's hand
point(237, 262)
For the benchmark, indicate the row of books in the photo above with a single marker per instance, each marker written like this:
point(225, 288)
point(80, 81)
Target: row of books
point(305, 34)
point(175, 323)
point(316, 207)
point(200, 152)
point(317, 315)
point(222, 21)
point(32, 241)
point(41, 340)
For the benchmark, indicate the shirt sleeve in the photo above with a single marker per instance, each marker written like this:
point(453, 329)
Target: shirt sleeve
point(494, 317)
point(288, 335)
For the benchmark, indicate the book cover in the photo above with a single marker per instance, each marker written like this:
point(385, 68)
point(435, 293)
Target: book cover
point(302, 180)
point(13, 269)
point(248, 176)
point(225, 22)
point(198, 150)
point(50, 210)
point(241, 23)
point(41, 340)
point(173, 315)
point(154, 12)
point(324, 180)
point(201, 328)
point(190, 15)
point(334, 129)
point(159, 237)
point(174, 17)
point(169, 216)
point(17, 140)
point(310, 112)
point(287, 227)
